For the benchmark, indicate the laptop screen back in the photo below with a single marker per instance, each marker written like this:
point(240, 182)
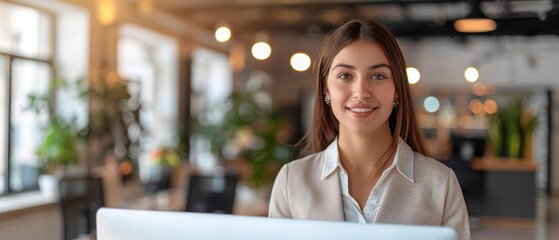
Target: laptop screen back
point(142, 225)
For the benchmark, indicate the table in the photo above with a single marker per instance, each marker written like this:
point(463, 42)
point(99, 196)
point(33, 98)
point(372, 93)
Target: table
point(507, 188)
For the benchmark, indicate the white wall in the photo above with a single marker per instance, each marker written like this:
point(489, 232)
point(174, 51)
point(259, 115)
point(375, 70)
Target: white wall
point(503, 61)
point(511, 63)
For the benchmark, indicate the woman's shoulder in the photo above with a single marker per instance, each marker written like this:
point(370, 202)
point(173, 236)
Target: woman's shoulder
point(428, 165)
point(303, 169)
point(312, 160)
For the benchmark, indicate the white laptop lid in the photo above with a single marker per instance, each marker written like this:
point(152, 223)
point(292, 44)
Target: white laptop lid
point(125, 224)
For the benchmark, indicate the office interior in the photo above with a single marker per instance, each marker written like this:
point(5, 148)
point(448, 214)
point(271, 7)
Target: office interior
point(187, 105)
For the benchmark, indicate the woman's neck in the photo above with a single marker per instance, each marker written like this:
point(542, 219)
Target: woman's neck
point(363, 151)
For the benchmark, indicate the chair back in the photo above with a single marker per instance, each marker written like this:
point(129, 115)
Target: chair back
point(79, 200)
point(211, 193)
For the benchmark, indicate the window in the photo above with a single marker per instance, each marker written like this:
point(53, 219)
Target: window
point(212, 84)
point(149, 62)
point(25, 126)
point(3, 120)
point(25, 68)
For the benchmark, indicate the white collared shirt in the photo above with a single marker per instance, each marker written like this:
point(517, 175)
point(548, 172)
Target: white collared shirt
point(352, 211)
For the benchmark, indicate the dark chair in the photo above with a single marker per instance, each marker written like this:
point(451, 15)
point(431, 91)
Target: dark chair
point(79, 199)
point(464, 150)
point(211, 194)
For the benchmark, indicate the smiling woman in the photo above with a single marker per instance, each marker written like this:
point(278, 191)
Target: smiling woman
point(369, 163)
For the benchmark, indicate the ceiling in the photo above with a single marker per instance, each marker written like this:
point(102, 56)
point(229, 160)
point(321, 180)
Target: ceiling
point(407, 18)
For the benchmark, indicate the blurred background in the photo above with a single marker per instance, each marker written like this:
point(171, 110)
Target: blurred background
point(188, 105)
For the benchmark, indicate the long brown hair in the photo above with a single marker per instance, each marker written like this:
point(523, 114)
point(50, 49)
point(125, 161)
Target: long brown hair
point(402, 121)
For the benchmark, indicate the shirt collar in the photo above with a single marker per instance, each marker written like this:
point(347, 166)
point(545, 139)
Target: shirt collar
point(403, 159)
point(332, 159)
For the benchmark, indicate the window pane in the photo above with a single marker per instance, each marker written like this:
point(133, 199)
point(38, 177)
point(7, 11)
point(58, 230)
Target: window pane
point(148, 59)
point(212, 83)
point(26, 132)
point(3, 121)
point(24, 31)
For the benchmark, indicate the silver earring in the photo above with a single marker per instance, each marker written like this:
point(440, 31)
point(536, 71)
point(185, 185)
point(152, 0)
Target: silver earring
point(395, 104)
point(327, 100)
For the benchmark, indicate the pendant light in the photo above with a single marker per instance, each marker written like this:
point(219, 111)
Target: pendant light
point(475, 21)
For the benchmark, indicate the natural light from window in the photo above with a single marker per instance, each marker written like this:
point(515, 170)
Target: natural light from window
point(212, 83)
point(149, 62)
point(27, 58)
point(3, 119)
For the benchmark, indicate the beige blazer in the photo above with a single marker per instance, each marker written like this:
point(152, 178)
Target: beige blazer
point(431, 197)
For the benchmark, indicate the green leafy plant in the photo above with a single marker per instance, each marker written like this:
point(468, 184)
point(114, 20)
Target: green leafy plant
point(510, 130)
point(58, 148)
point(114, 119)
point(250, 130)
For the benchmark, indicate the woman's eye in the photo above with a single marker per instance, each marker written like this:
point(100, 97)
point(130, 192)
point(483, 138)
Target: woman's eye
point(378, 76)
point(343, 76)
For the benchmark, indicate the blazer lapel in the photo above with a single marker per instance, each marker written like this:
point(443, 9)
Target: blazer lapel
point(328, 202)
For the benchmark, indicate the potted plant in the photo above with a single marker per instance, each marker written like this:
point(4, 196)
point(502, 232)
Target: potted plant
point(510, 131)
point(159, 168)
point(58, 150)
point(58, 153)
point(248, 133)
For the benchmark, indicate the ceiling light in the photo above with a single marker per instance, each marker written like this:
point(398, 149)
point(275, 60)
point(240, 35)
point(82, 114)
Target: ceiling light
point(475, 21)
point(413, 75)
point(261, 50)
point(223, 33)
point(471, 74)
point(300, 62)
point(106, 12)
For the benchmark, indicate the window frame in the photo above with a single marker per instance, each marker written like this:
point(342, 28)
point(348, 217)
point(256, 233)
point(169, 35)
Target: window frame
point(10, 58)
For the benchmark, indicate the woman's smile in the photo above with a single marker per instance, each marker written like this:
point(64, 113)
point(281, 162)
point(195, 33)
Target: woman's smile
point(361, 111)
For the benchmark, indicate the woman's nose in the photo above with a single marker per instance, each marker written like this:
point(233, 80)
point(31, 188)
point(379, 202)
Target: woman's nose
point(361, 89)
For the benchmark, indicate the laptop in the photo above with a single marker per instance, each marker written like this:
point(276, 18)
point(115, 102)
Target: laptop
point(125, 224)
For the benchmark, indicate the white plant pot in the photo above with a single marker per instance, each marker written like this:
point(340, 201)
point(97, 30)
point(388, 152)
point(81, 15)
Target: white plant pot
point(48, 184)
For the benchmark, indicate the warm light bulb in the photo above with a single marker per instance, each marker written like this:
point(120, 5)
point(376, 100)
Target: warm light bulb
point(106, 12)
point(479, 89)
point(261, 50)
point(223, 34)
point(413, 75)
point(476, 106)
point(471, 74)
point(475, 25)
point(490, 106)
point(300, 62)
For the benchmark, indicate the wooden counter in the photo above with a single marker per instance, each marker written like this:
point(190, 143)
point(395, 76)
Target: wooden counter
point(506, 188)
point(504, 164)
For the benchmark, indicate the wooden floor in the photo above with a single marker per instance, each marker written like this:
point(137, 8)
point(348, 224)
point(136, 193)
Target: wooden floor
point(544, 227)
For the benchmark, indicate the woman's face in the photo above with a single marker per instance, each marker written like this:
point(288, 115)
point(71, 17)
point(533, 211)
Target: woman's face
point(361, 88)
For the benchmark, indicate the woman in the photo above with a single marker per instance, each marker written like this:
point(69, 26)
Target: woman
point(369, 163)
